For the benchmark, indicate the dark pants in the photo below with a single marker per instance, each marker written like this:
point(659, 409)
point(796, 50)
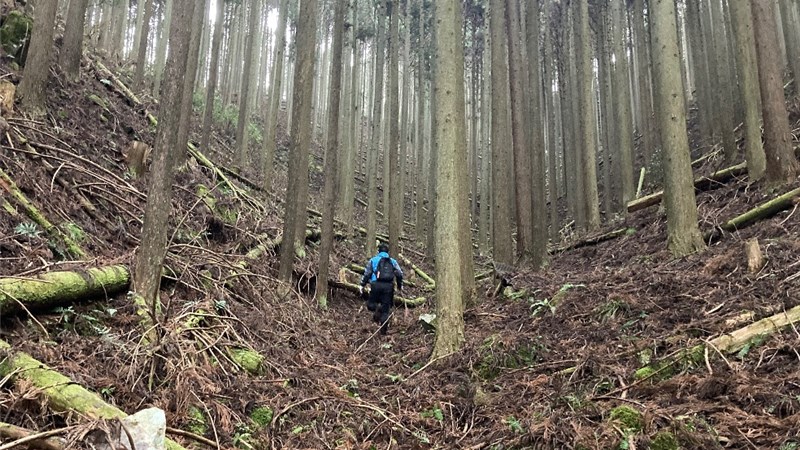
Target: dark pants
point(381, 298)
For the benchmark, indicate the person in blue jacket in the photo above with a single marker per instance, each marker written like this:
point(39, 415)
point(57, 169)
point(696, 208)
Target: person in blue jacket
point(381, 272)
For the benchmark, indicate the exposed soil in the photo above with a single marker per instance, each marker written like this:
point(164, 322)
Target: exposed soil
point(530, 376)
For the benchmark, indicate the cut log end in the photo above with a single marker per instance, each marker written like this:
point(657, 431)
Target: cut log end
point(755, 258)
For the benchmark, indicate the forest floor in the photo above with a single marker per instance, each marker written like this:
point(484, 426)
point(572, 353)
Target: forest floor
point(533, 373)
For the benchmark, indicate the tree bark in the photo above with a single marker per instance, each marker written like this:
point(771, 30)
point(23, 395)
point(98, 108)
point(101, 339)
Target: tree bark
point(451, 185)
point(33, 88)
point(683, 234)
point(331, 162)
point(300, 138)
point(781, 163)
point(161, 47)
point(791, 34)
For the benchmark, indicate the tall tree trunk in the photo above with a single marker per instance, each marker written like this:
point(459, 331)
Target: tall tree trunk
point(539, 242)
point(273, 113)
point(247, 81)
point(377, 110)
point(141, 55)
point(701, 70)
point(72, 49)
point(523, 168)
point(501, 141)
point(347, 172)
point(394, 208)
point(300, 138)
point(451, 185)
point(213, 75)
point(33, 88)
point(683, 234)
point(161, 48)
point(781, 163)
point(588, 157)
point(648, 129)
point(331, 164)
point(550, 123)
point(151, 252)
point(742, 19)
point(723, 87)
point(791, 32)
point(200, 13)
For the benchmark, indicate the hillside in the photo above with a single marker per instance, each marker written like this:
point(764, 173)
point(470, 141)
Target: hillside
point(549, 365)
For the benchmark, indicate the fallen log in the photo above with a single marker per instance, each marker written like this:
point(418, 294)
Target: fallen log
point(398, 301)
point(594, 240)
point(727, 343)
point(8, 431)
point(700, 184)
point(62, 393)
point(8, 185)
point(58, 288)
point(431, 282)
point(760, 212)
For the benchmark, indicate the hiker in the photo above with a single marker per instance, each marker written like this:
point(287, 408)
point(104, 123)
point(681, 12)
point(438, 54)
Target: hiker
point(381, 271)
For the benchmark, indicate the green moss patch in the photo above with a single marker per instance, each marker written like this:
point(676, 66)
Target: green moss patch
point(664, 440)
point(262, 416)
point(628, 418)
point(15, 34)
point(249, 360)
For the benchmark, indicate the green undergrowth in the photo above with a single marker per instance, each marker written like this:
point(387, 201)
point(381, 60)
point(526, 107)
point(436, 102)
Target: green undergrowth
point(497, 355)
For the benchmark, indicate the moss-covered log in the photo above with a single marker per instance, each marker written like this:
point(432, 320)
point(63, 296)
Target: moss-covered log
point(8, 185)
point(700, 184)
point(727, 343)
point(760, 212)
point(421, 273)
point(62, 393)
point(58, 288)
point(398, 301)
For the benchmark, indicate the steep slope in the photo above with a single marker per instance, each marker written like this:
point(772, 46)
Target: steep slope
point(549, 365)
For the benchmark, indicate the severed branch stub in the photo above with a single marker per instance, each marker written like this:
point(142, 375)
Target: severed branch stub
point(503, 273)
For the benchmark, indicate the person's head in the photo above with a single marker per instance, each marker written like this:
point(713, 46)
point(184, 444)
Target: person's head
point(383, 247)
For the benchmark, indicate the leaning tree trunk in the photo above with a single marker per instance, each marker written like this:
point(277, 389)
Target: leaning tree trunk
point(683, 233)
point(150, 255)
